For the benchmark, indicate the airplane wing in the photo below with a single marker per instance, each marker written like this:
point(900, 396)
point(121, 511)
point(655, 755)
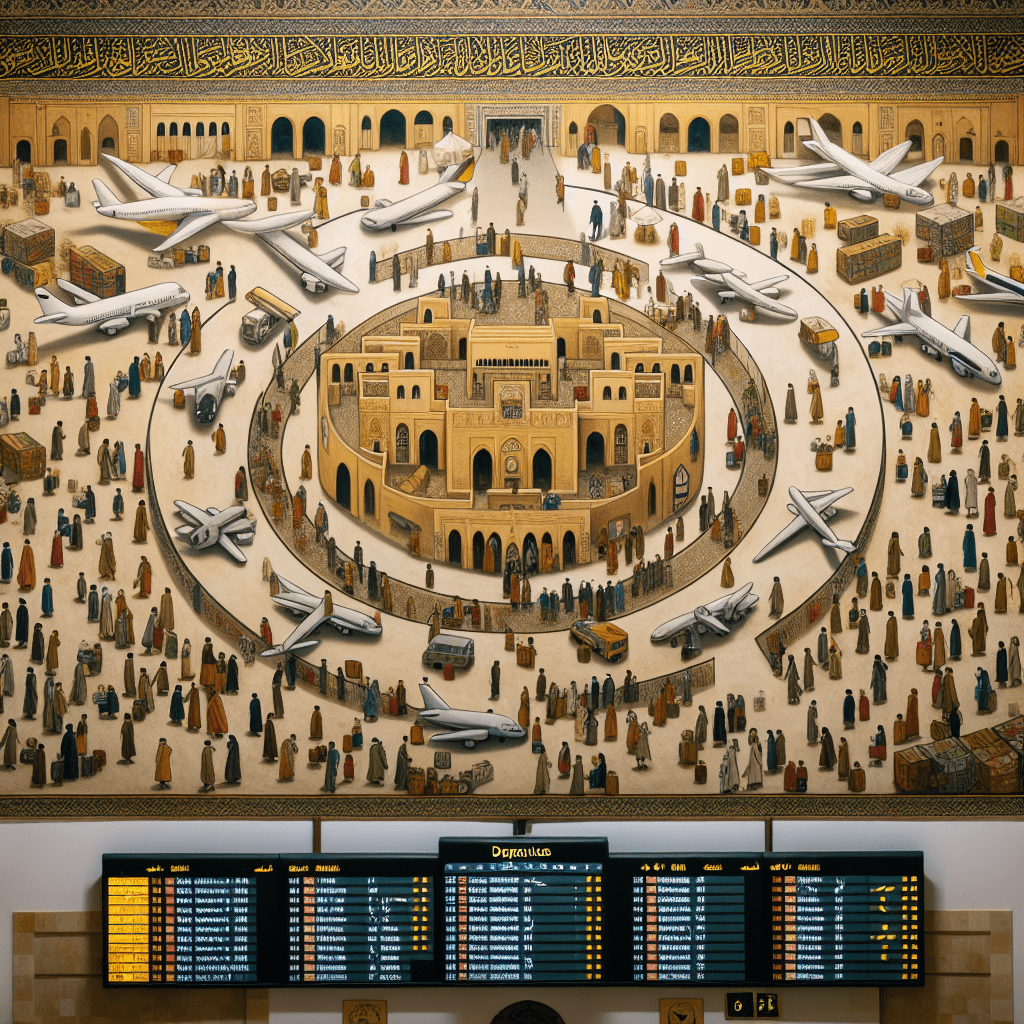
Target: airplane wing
point(80, 294)
point(193, 515)
point(187, 228)
point(741, 289)
point(1000, 296)
point(840, 183)
point(199, 382)
point(781, 537)
point(917, 173)
point(790, 175)
point(315, 618)
point(225, 541)
point(887, 162)
point(732, 602)
point(429, 217)
point(461, 736)
point(305, 260)
point(157, 185)
point(768, 282)
point(881, 332)
point(707, 618)
point(287, 587)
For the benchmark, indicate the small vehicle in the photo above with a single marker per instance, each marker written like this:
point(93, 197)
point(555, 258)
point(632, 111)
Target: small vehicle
point(471, 778)
point(268, 312)
point(605, 639)
point(449, 649)
point(820, 336)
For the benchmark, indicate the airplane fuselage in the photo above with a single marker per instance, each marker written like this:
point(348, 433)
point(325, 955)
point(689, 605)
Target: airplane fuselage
point(462, 721)
point(393, 216)
point(143, 302)
point(178, 207)
point(343, 622)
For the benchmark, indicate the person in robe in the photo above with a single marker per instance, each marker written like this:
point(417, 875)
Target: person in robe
point(776, 601)
point(27, 568)
point(978, 630)
point(378, 763)
point(163, 765)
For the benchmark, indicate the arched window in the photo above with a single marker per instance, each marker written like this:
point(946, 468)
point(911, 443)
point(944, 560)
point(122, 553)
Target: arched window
point(174, 128)
point(225, 129)
point(213, 129)
point(728, 134)
point(621, 444)
point(858, 137)
point(349, 377)
point(200, 130)
point(402, 444)
point(832, 127)
point(369, 499)
point(186, 130)
point(607, 394)
point(652, 500)
point(573, 130)
point(674, 378)
point(639, 368)
point(415, 391)
point(369, 367)
point(915, 133)
point(401, 391)
point(623, 394)
point(656, 368)
point(687, 374)
point(616, 361)
point(336, 373)
point(788, 138)
point(423, 117)
point(367, 124)
point(383, 367)
point(447, 125)
point(161, 130)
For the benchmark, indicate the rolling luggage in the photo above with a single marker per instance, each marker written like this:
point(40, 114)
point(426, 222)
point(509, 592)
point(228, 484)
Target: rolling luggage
point(101, 758)
point(858, 779)
point(700, 773)
point(87, 765)
point(449, 672)
point(968, 597)
point(416, 734)
point(346, 743)
point(139, 710)
point(611, 783)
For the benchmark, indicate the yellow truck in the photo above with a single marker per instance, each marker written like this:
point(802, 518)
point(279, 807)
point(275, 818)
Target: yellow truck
point(603, 638)
point(267, 312)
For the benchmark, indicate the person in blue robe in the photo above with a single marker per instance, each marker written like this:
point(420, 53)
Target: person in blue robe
point(21, 624)
point(291, 668)
point(620, 597)
point(716, 217)
point(982, 188)
point(771, 760)
point(955, 648)
point(117, 505)
point(371, 706)
point(851, 430)
point(649, 188)
point(718, 733)
point(952, 498)
point(898, 400)
point(694, 443)
point(185, 330)
point(231, 684)
point(111, 706)
point(69, 751)
point(89, 505)
point(982, 690)
point(773, 245)
point(119, 458)
point(597, 778)
point(608, 692)
point(177, 711)
point(134, 379)
point(331, 770)
point(15, 404)
point(908, 596)
point(47, 597)
point(849, 710)
point(63, 523)
point(970, 550)
point(93, 604)
point(6, 563)
point(255, 716)
point(594, 276)
point(1002, 416)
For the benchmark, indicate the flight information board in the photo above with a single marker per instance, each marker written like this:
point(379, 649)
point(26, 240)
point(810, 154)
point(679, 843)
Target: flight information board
point(691, 916)
point(518, 912)
point(847, 920)
point(187, 920)
point(355, 921)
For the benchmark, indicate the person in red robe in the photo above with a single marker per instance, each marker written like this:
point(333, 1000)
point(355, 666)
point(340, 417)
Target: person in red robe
point(265, 632)
point(57, 551)
point(403, 168)
point(789, 778)
point(659, 287)
point(673, 240)
point(913, 720)
point(989, 526)
point(698, 205)
point(738, 449)
point(732, 425)
point(865, 707)
point(139, 470)
point(670, 544)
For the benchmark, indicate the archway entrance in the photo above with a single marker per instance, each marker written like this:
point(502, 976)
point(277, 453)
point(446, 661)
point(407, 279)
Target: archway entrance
point(455, 547)
point(542, 471)
point(282, 138)
point(607, 124)
point(568, 549)
point(531, 555)
point(966, 148)
point(60, 151)
point(108, 135)
point(314, 136)
point(728, 134)
point(698, 136)
point(23, 151)
point(668, 134)
point(652, 500)
point(369, 499)
point(478, 550)
point(343, 487)
point(85, 146)
point(915, 133)
point(428, 449)
point(392, 129)
point(1002, 151)
point(483, 469)
point(527, 1011)
point(832, 128)
point(492, 556)
point(595, 451)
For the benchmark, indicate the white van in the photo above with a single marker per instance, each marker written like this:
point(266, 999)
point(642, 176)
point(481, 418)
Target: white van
point(449, 649)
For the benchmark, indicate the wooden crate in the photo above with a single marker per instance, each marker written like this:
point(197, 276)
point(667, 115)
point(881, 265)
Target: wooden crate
point(1012, 733)
point(35, 276)
point(737, 165)
point(865, 260)
point(23, 455)
point(42, 207)
point(912, 769)
point(1010, 219)
point(954, 769)
point(28, 241)
point(743, 197)
point(680, 168)
point(998, 762)
point(755, 234)
point(947, 229)
point(95, 272)
point(857, 229)
point(891, 201)
point(758, 159)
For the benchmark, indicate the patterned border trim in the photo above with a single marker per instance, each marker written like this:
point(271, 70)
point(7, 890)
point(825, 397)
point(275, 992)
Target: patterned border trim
point(737, 806)
point(358, 57)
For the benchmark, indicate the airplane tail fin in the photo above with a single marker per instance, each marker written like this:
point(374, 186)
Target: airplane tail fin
point(963, 328)
point(53, 309)
point(843, 545)
point(335, 258)
point(431, 701)
point(104, 196)
point(460, 172)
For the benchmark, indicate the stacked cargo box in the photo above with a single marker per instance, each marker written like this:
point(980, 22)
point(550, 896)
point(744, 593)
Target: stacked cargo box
point(95, 272)
point(868, 254)
point(1010, 219)
point(30, 244)
point(947, 229)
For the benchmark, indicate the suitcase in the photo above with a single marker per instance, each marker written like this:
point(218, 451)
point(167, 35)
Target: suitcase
point(170, 644)
point(417, 782)
point(886, 348)
point(611, 783)
point(737, 165)
point(314, 755)
point(688, 751)
point(448, 672)
point(272, 203)
point(364, 202)
point(755, 235)
point(139, 710)
point(743, 197)
point(940, 730)
point(892, 202)
point(443, 759)
point(349, 769)
point(353, 669)
point(346, 743)
point(680, 168)
point(101, 758)
point(924, 254)
point(416, 734)
point(57, 771)
point(969, 597)
point(993, 700)
point(87, 765)
point(858, 780)
point(700, 773)
point(583, 654)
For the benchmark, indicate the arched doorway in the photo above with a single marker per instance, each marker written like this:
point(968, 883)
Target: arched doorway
point(392, 129)
point(939, 145)
point(652, 499)
point(492, 556)
point(832, 128)
point(621, 444)
point(447, 125)
point(410, 362)
point(282, 138)
point(23, 151)
point(1002, 152)
point(967, 149)
point(423, 128)
point(85, 146)
point(680, 487)
point(616, 361)
point(60, 151)
point(560, 348)
point(915, 133)
point(788, 138)
point(369, 499)
point(478, 550)
point(728, 134)
point(531, 555)
point(568, 549)
point(482, 471)
point(455, 547)
point(607, 125)
point(402, 444)
point(858, 137)
point(428, 449)
point(366, 132)
point(343, 487)
point(698, 136)
point(542, 470)
point(595, 450)
point(108, 135)
point(314, 136)
point(527, 1011)
point(668, 134)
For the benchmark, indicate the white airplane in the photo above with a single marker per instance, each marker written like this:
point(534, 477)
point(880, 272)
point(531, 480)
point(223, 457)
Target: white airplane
point(167, 203)
point(865, 182)
point(1007, 290)
point(315, 613)
point(228, 528)
point(936, 339)
point(209, 389)
point(112, 314)
point(715, 617)
point(318, 272)
point(813, 509)
point(468, 727)
point(757, 293)
point(419, 209)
